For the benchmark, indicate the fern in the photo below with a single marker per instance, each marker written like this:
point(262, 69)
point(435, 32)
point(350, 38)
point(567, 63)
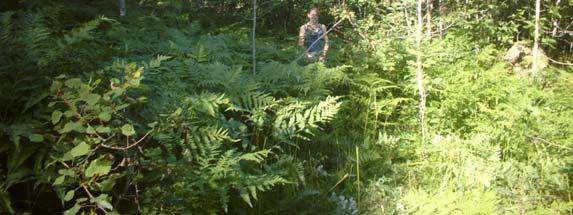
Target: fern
point(253, 101)
point(217, 168)
point(218, 49)
point(292, 79)
point(37, 38)
point(296, 120)
point(475, 201)
point(6, 34)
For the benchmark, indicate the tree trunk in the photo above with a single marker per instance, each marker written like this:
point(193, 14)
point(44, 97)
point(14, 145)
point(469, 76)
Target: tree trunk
point(535, 50)
point(440, 22)
point(122, 9)
point(406, 17)
point(429, 8)
point(555, 21)
point(254, 41)
point(420, 72)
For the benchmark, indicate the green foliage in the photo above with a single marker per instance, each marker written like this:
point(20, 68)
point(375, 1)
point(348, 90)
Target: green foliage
point(297, 120)
point(470, 202)
point(159, 112)
point(85, 124)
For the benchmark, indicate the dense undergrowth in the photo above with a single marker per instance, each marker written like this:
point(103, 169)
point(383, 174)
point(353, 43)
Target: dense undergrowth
point(160, 113)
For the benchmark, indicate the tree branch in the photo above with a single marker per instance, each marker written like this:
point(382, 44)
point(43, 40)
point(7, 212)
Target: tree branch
point(560, 63)
point(128, 146)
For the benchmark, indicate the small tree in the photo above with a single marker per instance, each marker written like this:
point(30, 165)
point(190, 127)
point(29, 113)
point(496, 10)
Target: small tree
point(420, 72)
point(535, 51)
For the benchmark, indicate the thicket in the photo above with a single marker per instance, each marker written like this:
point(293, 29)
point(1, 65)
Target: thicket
point(159, 111)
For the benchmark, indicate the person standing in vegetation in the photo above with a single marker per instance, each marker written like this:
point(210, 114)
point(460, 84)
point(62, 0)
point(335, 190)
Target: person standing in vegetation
point(312, 36)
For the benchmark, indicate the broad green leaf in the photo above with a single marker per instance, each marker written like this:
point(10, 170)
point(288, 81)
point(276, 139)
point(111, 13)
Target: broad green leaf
point(104, 116)
point(116, 92)
point(102, 201)
point(56, 116)
point(98, 167)
point(36, 138)
point(67, 172)
point(103, 129)
point(84, 91)
point(152, 125)
point(92, 99)
point(105, 204)
point(69, 113)
point(67, 156)
point(81, 149)
point(127, 130)
point(107, 184)
point(74, 210)
point(59, 180)
point(72, 126)
point(73, 83)
point(56, 85)
point(90, 130)
point(121, 107)
point(69, 195)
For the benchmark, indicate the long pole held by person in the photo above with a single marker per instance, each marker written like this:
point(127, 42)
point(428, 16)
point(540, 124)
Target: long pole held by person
point(254, 41)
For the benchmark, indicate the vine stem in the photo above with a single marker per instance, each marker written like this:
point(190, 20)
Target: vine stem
point(91, 197)
point(358, 178)
point(127, 146)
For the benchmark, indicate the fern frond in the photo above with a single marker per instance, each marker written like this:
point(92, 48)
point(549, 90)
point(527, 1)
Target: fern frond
point(295, 121)
point(7, 24)
point(254, 100)
point(37, 38)
point(257, 157)
point(84, 31)
point(207, 103)
point(251, 184)
point(218, 49)
point(475, 201)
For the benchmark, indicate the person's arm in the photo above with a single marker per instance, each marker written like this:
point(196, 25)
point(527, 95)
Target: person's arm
point(301, 35)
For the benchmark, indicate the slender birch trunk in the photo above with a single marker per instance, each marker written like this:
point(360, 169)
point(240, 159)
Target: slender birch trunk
point(429, 8)
point(407, 18)
point(535, 51)
point(122, 9)
point(420, 72)
point(254, 41)
point(440, 22)
point(555, 21)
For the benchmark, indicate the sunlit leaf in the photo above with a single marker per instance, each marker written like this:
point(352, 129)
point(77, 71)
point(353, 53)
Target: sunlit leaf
point(127, 130)
point(81, 149)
